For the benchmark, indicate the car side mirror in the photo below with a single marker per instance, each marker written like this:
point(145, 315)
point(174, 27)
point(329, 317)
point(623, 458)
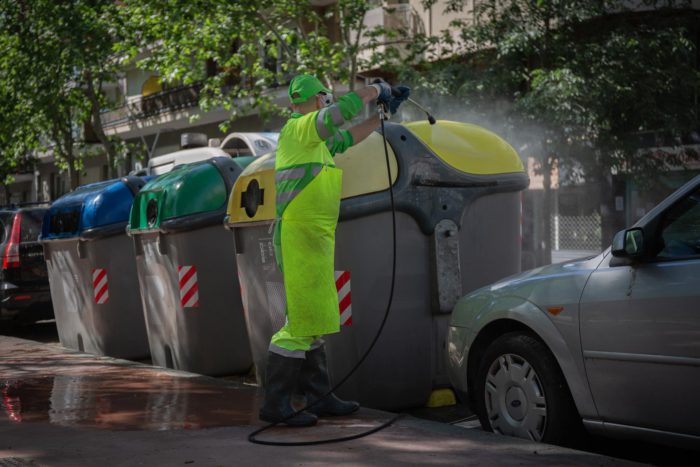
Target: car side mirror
point(628, 243)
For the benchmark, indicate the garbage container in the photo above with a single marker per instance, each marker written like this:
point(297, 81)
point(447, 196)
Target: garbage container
point(92, 272)
point(457, 195)
point(188, 278)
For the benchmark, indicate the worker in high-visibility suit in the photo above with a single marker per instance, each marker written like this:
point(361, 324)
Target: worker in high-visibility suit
point(308, 202)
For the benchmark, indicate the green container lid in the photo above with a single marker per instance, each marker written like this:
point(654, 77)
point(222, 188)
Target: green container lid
point(188, 194)
point(244, 161)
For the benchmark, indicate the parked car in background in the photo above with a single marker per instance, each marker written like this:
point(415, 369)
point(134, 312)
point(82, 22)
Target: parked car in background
point(612, 341)
point(167, 162)
point(24, 284)
point(241, 144)
point(196, 147)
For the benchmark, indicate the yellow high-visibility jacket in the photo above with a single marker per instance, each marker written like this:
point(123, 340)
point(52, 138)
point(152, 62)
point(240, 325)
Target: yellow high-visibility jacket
point(308, 203)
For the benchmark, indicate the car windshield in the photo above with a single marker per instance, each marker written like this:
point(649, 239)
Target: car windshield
point(271, 135)
point(238, 147)
point(680, 231)
point(31, 224)
point(5, 225)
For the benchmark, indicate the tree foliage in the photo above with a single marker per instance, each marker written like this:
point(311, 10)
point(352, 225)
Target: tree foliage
point(589, 76)
point(56, 55)
point(592, 76)
point(17, 140)
point(577, 84)
point(242, 51)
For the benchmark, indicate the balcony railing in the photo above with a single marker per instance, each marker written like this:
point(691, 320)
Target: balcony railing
point(401, 18)
point(182, 97)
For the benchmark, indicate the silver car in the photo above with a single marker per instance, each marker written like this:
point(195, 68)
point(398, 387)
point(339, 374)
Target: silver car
point(612, 341)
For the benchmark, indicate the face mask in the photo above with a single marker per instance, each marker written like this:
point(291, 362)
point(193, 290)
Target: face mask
point(326, 99)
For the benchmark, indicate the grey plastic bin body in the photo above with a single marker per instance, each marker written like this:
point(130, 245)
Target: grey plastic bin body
point(187, 272)
point(92, 271)
point(455, 233)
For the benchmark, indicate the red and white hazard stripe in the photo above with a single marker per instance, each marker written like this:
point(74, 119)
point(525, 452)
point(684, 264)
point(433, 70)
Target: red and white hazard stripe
point(189, 291)
point(100, 286)
point(342, 284)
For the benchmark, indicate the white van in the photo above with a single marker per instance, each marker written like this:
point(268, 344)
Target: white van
point(239, 145)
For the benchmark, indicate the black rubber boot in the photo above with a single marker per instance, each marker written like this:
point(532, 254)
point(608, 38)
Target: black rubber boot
point(281, 379)
point(314, 383)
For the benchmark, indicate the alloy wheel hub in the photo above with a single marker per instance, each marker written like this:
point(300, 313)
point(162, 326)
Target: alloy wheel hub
point(516, 403)
point(514, 398)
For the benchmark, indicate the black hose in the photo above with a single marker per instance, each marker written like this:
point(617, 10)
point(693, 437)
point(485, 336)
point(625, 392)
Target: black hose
point(252, 436)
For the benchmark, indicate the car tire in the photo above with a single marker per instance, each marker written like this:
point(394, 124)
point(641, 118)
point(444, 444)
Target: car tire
point(521, 391)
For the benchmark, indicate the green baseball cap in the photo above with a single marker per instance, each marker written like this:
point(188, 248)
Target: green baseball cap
point(304, 87)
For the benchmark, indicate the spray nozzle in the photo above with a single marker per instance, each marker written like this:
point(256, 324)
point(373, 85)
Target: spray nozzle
point(431, 119)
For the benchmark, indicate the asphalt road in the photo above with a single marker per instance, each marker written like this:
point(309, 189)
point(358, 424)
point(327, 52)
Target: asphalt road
point(456, 415)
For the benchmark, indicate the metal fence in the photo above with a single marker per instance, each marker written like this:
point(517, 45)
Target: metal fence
point(181, 97)
point(576, 232)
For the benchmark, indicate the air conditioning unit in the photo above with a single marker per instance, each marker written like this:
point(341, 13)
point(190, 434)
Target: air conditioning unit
point(193, 140)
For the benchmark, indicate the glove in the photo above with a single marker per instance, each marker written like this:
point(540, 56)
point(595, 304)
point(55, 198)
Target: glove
point(399, 94)
point(383, 92)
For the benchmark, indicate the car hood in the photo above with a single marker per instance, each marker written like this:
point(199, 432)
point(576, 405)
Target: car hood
point(558, 285)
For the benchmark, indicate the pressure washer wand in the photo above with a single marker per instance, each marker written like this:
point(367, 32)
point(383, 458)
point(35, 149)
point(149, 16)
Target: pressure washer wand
point(431, 119)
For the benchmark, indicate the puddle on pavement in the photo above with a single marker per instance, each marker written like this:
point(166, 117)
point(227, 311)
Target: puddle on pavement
point(48, 384)
point(124, 402)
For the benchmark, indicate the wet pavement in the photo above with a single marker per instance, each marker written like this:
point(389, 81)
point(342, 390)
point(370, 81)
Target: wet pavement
point(50, 384)
point(61, 407)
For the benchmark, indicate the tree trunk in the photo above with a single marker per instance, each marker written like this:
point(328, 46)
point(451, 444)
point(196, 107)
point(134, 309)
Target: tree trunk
point(547, 220)
point(547, 209)
point(63, 151)
point(73, 177)
point(64, 144)
point(8, 193)
point(354, 47)
point(611, 220)
point(73, 174)
point(109, 146)
point(353, 72)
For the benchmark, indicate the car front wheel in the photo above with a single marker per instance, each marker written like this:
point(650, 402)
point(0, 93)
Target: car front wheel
point(520, 391)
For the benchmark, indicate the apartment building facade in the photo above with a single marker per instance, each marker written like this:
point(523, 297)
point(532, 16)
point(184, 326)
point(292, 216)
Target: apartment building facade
point(151, 118)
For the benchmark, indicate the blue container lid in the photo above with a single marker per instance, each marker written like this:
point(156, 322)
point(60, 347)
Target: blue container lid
point(93, 207)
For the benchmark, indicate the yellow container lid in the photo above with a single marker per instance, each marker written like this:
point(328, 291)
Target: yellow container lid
point(364, 172)
point(468, 148)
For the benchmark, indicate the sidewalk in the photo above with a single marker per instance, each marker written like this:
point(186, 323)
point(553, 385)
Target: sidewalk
point(64, 408)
